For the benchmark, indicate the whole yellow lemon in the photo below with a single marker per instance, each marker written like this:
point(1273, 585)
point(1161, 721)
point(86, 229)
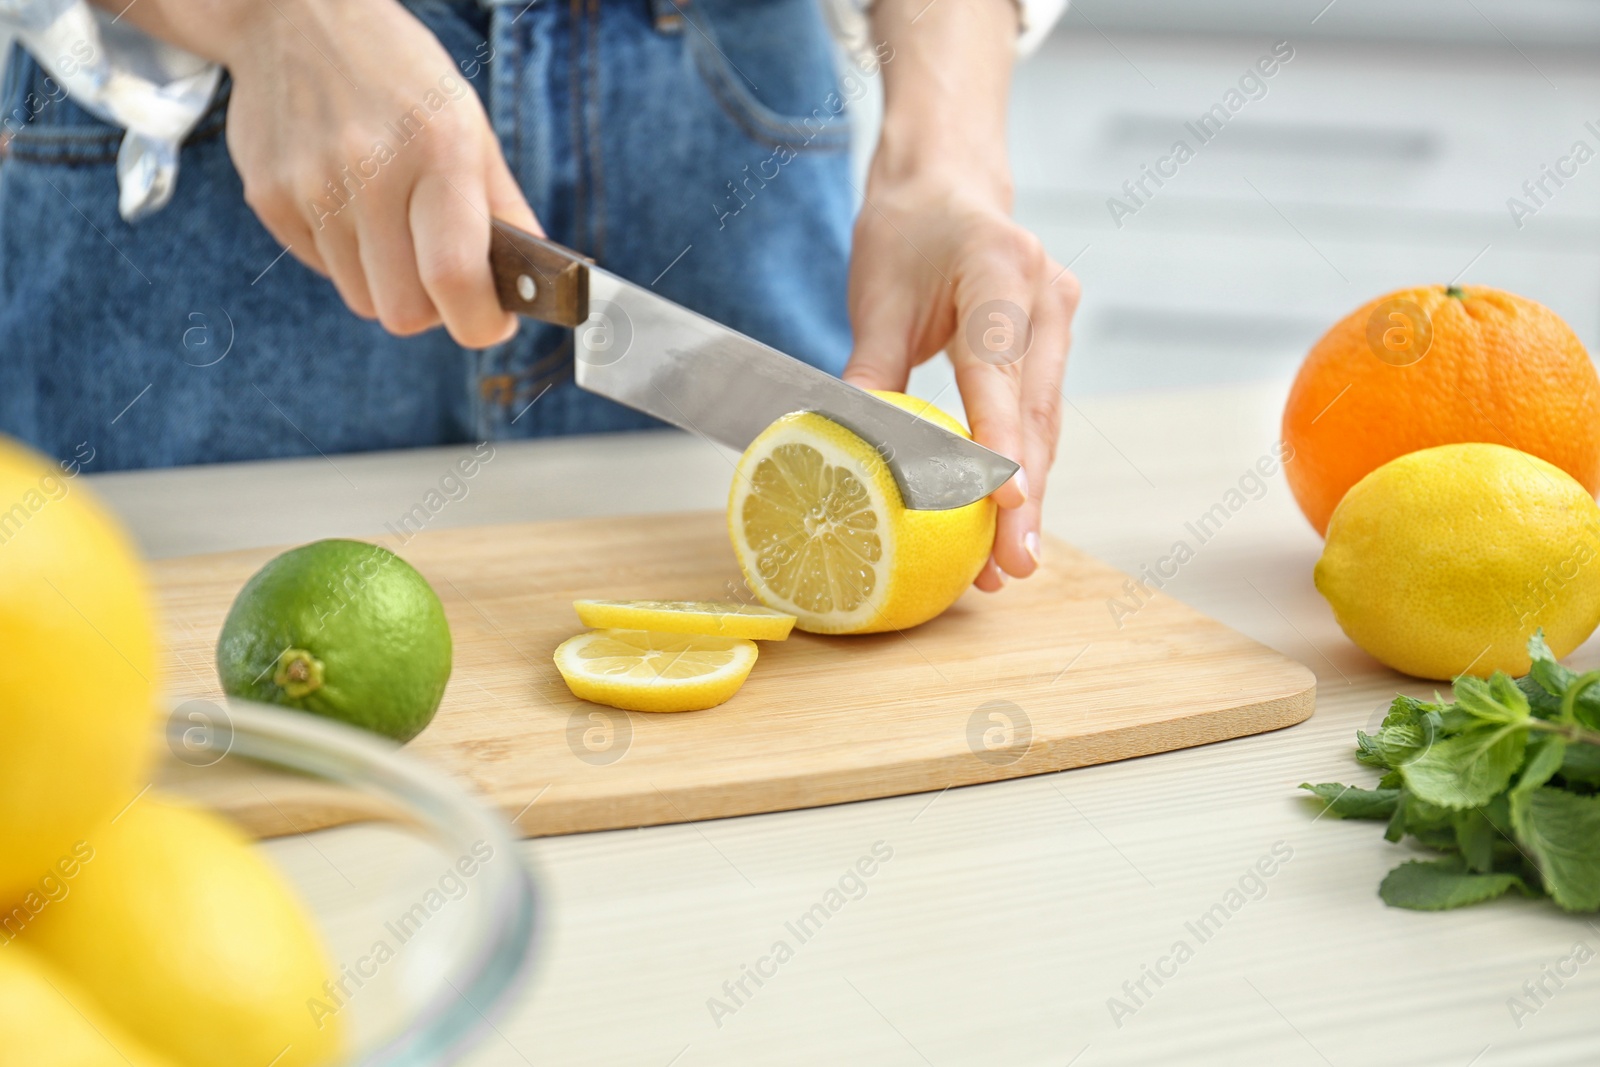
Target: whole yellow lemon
point(77, 659)
point(1444, 561)
point(192, 942)
point(47, 1020)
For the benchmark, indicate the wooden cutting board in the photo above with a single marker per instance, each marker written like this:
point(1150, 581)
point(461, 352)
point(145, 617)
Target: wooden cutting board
point(1039, 677)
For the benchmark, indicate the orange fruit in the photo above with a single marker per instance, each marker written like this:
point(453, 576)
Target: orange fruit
point(1437, 366)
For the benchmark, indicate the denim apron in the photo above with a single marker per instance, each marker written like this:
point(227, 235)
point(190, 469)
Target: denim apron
point(698, 147)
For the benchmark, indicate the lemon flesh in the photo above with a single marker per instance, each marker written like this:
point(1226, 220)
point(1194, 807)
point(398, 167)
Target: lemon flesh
point(186, 937)
point(79, 657)
point(638, 670)
point(47, 1020)
point(716, 618)
point(821, 532)
point(1444, 561)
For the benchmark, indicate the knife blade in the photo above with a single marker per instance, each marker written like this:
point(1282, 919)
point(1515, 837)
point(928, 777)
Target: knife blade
point(640, 349)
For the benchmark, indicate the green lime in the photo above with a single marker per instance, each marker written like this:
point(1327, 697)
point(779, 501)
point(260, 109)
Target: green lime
point(344, 629)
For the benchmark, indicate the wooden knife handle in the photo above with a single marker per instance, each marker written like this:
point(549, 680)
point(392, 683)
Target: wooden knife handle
point(537, 277)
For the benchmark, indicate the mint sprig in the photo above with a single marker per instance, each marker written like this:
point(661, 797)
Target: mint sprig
point(1504, 781)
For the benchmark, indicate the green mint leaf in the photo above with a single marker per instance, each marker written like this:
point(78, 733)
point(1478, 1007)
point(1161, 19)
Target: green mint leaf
point(1401, 732)
point(1586, 709)
point(1504, 688)
point(1399, 744)
point(1350, 802)
point(1562, 831)
point(1548, 674)
point(1425, 815)
point(1430, 825)
point(1369, 752)
point(1545, 754)
point(1547, 681)
point(1397, 822)
point(1498, 812)
point(1581, 764)
point(1510, 806)
point(1498, 700)
point(1542, 704)
point(1475, 836)
point(1438, 885)
point(1406, 711)
point(1442, 839)
point(1466, 770)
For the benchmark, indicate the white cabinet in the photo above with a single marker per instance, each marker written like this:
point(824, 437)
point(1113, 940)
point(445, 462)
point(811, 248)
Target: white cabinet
point(1357, 168)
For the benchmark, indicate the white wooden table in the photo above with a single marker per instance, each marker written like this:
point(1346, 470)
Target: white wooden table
point(1009, 914)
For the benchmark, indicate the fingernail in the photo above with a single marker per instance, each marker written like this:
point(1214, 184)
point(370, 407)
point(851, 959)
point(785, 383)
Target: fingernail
point(1021, 478)
point(1031, 543)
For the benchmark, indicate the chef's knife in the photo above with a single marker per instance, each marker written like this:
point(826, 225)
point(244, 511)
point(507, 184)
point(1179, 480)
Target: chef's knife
point(649, 353)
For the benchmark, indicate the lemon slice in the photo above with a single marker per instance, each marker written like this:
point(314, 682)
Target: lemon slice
point(638, 670)
point(820, 531)
point(719, 618)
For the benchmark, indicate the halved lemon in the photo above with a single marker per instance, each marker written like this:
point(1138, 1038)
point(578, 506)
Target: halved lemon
point(820, 530)
point(638, 670)
point(718, 618)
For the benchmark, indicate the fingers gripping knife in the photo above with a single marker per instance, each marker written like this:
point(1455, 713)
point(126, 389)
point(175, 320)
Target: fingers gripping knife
point(644, 351)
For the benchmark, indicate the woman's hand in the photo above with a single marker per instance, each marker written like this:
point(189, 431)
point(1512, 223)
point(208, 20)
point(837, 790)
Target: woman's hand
point(936, 269)
point(364, 151)
point(939, 264)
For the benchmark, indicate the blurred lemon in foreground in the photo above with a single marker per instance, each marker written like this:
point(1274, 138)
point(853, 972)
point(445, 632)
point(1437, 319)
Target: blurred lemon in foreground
point(1444, 561)
point(46, 1020)
point(193, 943)
point(77, 655)
point(641, 671)
point(820, 531)
point(720, 618)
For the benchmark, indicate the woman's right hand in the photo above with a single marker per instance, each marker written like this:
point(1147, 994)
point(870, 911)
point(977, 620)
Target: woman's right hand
point(366, 153)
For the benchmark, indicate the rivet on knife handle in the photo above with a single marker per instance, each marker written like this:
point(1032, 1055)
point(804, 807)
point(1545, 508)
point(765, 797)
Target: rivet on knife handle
point(539, 278)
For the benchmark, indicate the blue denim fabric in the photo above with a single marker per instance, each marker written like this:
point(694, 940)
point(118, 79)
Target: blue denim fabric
point(706, 158)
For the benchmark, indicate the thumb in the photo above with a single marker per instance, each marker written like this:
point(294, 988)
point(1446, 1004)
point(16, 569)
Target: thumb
point(882, 356)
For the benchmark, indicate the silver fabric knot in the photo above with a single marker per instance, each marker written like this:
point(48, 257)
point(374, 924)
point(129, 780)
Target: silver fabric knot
point(154, 91)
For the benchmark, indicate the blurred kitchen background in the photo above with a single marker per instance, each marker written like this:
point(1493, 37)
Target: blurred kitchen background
point(1382, 155)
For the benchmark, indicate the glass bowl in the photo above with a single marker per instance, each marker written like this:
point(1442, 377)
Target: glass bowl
point(425, 906)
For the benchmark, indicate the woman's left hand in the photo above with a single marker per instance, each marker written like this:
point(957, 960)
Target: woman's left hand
point(939, 264)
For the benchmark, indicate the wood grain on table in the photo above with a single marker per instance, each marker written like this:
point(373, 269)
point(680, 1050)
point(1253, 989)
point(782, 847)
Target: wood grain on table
point(1040, 677)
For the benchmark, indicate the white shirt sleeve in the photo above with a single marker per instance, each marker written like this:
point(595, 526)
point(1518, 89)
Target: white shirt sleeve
point(849, 21)
point(1038, 19)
